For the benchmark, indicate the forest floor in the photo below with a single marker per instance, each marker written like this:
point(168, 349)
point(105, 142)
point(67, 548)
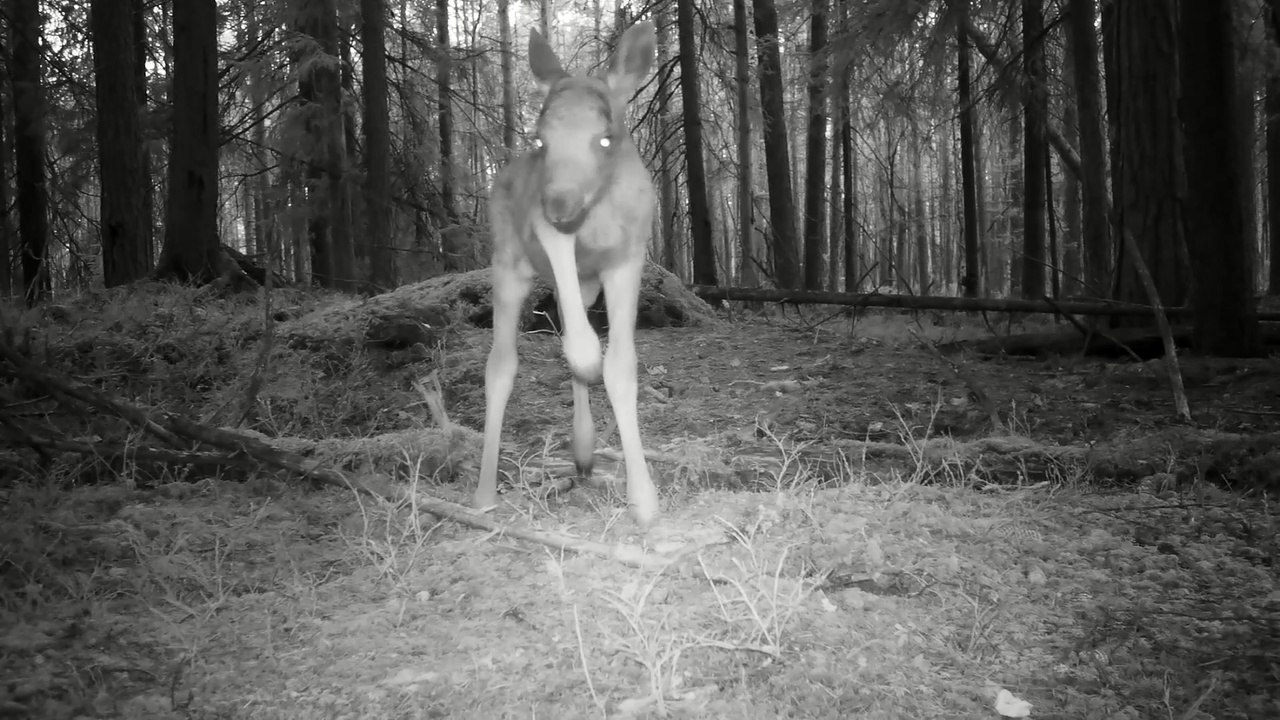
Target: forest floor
point(850, 533)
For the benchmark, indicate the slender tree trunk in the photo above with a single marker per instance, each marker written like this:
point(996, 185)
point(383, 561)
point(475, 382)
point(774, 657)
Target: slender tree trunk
point(1272, 108)
point(29, 148)
point(1096, 246)
point(140, 48)
point(1223, 313)
point(746, 179)
point(849, 166)
point(544, 18)
point(970, 280)
point(126, 251)
point(444, 83)
point(704, 260)
point(815, 198)
point(835, 226)
point(377, 144)
point(508, 78)
point(264, 217)
point(1072, 232)
point(786, 264)
point(1034, 115)
point(8, 240)
point(667, 171)
point(923, 265)
point(191, 249)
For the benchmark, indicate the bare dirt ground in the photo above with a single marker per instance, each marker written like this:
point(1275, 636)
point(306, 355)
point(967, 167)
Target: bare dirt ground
point(846, 531)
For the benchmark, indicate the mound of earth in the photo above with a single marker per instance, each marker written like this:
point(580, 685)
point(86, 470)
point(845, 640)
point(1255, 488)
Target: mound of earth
point(421, 312)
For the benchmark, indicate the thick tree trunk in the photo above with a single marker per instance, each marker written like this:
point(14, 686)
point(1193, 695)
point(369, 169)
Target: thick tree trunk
point(816, 150)
point(377, 145)
point(1217, 223)
point(320, 84)
point(969, 282)
point(126, 248)
point(191, 248)
point(746, 180)
point(777, 154)
point(29, 148)
point(1034, 116)
point(704, 256)
point(1142, 90)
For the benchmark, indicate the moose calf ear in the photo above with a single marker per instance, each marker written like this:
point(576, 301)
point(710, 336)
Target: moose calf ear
point(633, 58)
point(543, 62)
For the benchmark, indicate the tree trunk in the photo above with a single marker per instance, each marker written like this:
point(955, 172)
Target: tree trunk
point(265, 219)
point(666, 148)
point(968, 181)
point(377, 145)
point(782, 214)
point(444, 85)
point(1272, 109)
point(816, 151)
point(849, 166)
point(191, 248)
point(1096, 246)
point(704, 256)
point(7, 238)
point(508, 78)
point(140, 51)
point(1034, 116)
point(320, 91)
point(126, 252)
point(1217, 223)
point(1142, 90)
point(923, 265)
point(29, 148)
point(746, 180)
point(1072, 233)
point(835, 225)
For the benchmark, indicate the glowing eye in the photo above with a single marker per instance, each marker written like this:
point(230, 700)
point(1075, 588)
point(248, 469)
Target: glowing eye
point(537, 142)
point(605, 142)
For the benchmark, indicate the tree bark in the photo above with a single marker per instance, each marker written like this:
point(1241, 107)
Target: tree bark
point(126, 251)
point(667, 173)
point(1217, 223)
point(1034, 116)
point(507, 55)
point(849, 172)
point(1096, 247)
point(377, 144)
point(746, 179)
point(140, 49)
point(970, 280)
point(444, 85)
point(704, 256)
point(191, 248)
point(8, 239)
point(29, 148)
point(1142, 90)
point(1272, 108)
point(816, 152)
point(777, 156)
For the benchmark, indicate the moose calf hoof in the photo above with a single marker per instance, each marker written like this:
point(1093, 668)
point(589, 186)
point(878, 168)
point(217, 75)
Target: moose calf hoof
point(484, 500)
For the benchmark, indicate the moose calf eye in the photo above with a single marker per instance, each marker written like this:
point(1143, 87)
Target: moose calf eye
point(537, 142)
point(605, 142)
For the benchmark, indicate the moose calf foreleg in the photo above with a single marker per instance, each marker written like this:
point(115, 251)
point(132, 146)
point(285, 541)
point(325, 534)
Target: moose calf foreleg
point(511, 284)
